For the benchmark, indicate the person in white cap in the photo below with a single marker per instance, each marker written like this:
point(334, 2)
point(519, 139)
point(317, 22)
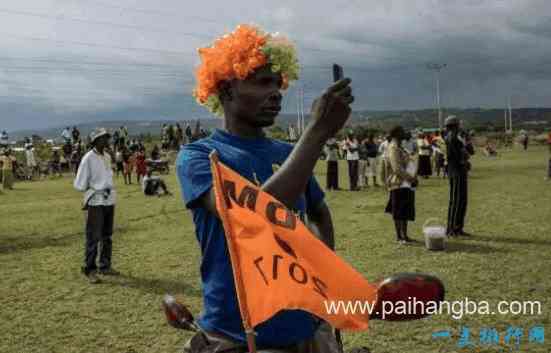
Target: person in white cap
point(95, 178)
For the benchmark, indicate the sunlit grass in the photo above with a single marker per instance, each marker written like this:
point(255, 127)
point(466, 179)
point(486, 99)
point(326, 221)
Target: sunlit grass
point(47, 306)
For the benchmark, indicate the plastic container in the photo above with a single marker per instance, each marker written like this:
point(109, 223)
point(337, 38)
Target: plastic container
point(435, 235)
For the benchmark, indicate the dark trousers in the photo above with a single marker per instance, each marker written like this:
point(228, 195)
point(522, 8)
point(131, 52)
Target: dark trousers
point(549, 169)
point(99, 229)
point(353, 174)
point(332, 175)
point(458, 202)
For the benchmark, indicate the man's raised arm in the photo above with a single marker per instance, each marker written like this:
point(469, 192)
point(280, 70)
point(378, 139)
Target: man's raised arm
point(329, 114)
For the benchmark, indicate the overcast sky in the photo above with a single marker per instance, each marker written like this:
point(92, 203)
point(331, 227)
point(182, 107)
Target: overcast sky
point(68, 61)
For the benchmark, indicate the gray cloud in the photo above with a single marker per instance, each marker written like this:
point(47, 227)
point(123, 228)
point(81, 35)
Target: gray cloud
point(66, 61)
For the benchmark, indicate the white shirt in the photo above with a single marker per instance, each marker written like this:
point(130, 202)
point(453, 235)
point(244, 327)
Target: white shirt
point(66, 134)
point(94, 176)
point(383, 149)
point(352, 156)
point(31, 161)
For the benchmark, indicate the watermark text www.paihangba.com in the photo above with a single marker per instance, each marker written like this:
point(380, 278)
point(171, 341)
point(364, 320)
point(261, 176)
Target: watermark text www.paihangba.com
point(457, 309)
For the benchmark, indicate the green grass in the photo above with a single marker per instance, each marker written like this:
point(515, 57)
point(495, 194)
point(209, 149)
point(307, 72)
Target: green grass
point(47, 306)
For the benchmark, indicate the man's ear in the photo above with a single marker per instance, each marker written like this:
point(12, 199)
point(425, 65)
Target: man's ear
point(225, 91)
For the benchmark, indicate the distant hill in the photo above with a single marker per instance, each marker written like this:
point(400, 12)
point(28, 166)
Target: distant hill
point(479, 118)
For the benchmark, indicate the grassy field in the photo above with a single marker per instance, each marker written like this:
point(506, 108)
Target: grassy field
point(47, 306)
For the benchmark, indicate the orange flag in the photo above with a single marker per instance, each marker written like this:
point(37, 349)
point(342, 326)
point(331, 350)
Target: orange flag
point(277, 262)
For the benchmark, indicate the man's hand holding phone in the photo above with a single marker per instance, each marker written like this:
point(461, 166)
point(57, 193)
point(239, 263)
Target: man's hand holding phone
point(331, 110)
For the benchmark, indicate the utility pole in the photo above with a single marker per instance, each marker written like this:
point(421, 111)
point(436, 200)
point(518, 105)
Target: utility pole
point(437, 68)
point(510, 115)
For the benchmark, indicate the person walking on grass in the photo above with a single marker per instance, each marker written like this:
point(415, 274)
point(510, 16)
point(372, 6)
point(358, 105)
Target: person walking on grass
point(95, 179)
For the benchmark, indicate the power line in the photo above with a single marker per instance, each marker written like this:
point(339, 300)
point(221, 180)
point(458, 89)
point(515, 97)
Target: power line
point(201, 19)
point(170, 52)
point(101, 23)
point(150, 11)
point(91, 70)
point(191, 34)
point(98, 63)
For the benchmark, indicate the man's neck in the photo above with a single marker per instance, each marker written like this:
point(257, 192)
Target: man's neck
point(98, 150)
point(243, 130)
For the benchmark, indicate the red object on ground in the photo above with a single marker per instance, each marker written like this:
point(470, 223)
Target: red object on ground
point(409, 295)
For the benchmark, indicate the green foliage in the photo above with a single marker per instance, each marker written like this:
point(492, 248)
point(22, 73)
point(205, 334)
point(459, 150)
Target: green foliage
point(277, 132)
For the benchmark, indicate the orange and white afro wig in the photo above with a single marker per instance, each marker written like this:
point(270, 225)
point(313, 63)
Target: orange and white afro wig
point(236, 56)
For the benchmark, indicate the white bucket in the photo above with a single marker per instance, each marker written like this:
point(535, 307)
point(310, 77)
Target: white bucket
point(435, 235)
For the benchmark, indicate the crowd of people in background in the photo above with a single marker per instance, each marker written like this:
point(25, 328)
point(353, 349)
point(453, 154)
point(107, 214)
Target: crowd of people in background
point(364, 154)
point(366, 157)
point(40, 158)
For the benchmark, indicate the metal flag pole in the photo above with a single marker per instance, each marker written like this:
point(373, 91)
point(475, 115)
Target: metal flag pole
point(437, 68)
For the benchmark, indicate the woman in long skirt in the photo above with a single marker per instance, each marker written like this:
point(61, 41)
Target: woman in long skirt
point(425, 149)
point(401, 181)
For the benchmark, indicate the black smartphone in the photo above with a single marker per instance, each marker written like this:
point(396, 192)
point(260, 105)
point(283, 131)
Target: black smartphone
point(338, 73)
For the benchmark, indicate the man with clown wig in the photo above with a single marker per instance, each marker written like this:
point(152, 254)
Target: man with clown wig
point(241, 78)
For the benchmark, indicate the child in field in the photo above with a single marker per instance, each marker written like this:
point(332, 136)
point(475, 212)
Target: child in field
point(119, 163)
point(154, 185)
point(140, 165)
point(128, 165)
point(490, 150)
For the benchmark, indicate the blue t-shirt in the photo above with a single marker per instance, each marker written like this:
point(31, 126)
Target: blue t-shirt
point(253, 158)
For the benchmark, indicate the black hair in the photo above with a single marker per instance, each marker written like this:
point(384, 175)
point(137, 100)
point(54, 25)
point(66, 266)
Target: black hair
point(396, 132)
